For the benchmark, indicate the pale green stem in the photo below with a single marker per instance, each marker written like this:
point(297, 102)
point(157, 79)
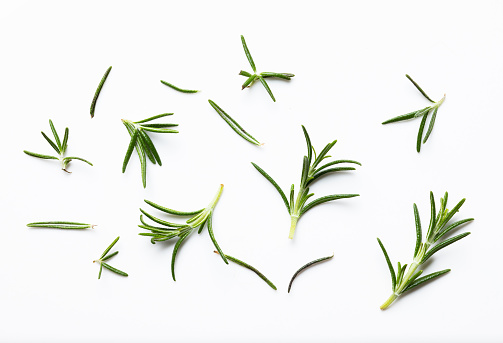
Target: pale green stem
point(293, 225)
point(204, 215)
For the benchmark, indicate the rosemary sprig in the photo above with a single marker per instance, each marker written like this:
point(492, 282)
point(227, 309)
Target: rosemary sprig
point(402, 281)
point(182, 231)
point(424, 112)
point(177, 88)
point(234, 125)
point(310, 173)
point(61, 225)
point(104, 257)
point(246, 265)
point(142, 142)
point(251, 78)
point(307, 265)
point(60, 147)
point(98, 90)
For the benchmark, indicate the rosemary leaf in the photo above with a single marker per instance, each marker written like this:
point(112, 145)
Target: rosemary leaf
point(307, 265)
point(246, 265)
point(234, 125)
point(178, 89)
point(98, 90)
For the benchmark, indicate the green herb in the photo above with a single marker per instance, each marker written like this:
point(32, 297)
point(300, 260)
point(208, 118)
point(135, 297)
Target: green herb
point(424, 112)
point(402, 281)
point(181, 231)
point(310, 173)
point(61, 225)
point(59, 147)
point(251, 78)
point(307, 265)
point(246, 265)
point(103, 79)
point(234, 125)
point(104, 257)
point(178, 89)
point(142, 142)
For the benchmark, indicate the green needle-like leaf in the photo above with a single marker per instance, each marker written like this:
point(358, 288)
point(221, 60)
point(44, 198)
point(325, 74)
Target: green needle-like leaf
point(170, 211)
point(45, 157)
point(61, 225)
point(132, 144)
point(271, 180)
point(115, 270)
point(175, 251)
point(153, 118)
point(248, 55)
point(451, 227)
point(178, 89)
point(425, 278)
point(233, 124)
point(65, 141)
point(109, 247)
point(390, 265)
point(419, 233)
point(430, 127)
point(443, 245)
point(212, 236)
point(51, 143)
point(109, 256)
point(266, 86)
point(98, 91)
point(246, 265)
point(325, 199)
point(419, 88)
point(307, 265)
point(56, 137)
point(420, 133)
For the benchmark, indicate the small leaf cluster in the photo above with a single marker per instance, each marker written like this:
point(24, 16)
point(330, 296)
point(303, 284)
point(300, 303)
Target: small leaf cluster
point(143, 144)
point(424, 112)
point(105, 257)
point(58, 146)
point(251, 78)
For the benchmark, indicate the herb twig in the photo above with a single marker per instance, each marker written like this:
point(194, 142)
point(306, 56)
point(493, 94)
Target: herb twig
point(307, 265)
point(310, 173)
point(98, 90)
point(177, 88)
point(404, 280)
point(59, 146)
point(61, 225)
point(251, 78)
point(142, 142)
point(181, 231)
point(104, 257)
point(424, 112)
point(234, 125)
point(256, 271)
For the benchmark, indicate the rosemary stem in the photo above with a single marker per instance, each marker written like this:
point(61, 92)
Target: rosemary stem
point(407, 276)
point(388, 302)
point(293, 225)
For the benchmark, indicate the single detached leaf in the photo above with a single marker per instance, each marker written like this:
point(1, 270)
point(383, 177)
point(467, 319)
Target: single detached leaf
point(98, 91)
point(178, 89)
point(307, 265)
point(246, 265)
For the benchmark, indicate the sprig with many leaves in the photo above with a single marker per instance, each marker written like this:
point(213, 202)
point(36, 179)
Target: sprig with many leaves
point(404, 280)
point(181, 231)
point(60, 147)
point(311, 171)
point(424, 112)
point(142, 142)
point(104, 257)
point(251, 78)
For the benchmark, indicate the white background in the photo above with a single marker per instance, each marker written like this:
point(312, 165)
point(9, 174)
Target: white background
point(349, 59)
